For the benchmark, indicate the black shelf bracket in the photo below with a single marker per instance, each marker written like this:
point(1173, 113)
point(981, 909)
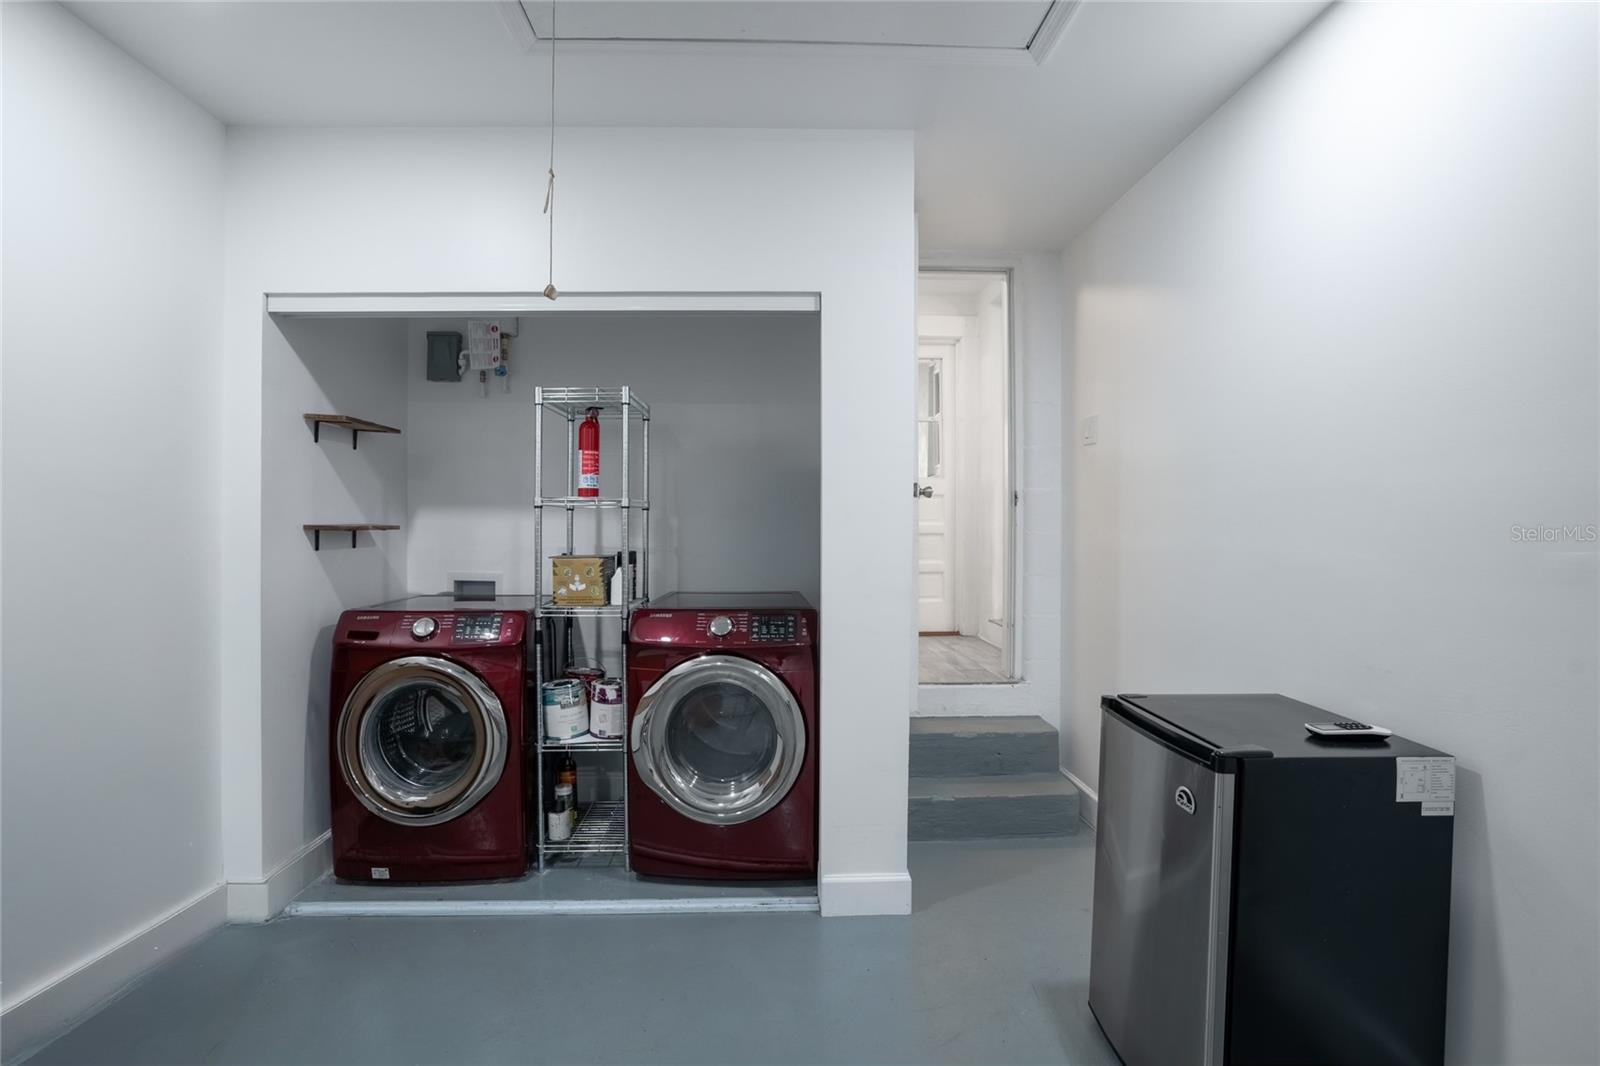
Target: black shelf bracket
point(316, 435)
point(316, 538)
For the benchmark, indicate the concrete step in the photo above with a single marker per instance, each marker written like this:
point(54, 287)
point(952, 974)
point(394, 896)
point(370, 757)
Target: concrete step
point(1014, 805)
point(959, 747)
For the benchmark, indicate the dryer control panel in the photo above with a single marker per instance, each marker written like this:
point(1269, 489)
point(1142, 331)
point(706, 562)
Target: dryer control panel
point(722, 629)
point(774, 628)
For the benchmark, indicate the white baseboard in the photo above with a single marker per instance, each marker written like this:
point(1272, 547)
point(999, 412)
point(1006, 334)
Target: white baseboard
point(847, 895)
point(260, 901)
point(55, 1004)
point(1088, 802)
point(482, 908)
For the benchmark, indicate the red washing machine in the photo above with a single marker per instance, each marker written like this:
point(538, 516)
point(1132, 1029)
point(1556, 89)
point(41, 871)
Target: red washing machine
point(427, 751)
point(723, 733)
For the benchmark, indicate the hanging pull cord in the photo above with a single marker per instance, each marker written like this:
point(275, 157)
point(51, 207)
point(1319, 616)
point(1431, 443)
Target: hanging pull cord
point(550, 186)
point(549, 203)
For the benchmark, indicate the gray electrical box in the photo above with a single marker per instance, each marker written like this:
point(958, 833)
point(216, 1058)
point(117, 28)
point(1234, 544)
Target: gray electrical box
point(444, 356)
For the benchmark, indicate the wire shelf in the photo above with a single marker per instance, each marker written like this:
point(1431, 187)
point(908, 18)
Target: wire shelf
point(548, 608)
point(583, 743)
point(589, 501)
point(575, 402)
point(602, 827)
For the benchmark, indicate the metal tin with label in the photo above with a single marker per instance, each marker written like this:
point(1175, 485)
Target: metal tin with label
point(566, 709)
point(606, 716)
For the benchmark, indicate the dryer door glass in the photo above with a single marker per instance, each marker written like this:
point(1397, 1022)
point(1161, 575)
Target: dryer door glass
point(421, 740)
point(720, 739)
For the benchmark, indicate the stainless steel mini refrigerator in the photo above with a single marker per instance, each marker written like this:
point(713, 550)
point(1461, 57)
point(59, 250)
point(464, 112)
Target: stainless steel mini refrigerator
point(1265, 896)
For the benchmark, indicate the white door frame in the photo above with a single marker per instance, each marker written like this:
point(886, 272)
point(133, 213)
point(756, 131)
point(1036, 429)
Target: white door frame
point(938, 263)
point(950, 375)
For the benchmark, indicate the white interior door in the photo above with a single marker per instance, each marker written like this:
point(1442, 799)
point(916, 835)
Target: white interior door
point(936, 608)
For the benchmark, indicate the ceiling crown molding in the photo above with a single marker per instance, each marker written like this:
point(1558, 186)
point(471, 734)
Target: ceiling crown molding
point(1052, 28)
point(520, 24)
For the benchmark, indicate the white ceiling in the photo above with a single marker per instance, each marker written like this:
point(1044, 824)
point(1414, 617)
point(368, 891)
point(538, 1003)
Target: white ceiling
point(1012, 153)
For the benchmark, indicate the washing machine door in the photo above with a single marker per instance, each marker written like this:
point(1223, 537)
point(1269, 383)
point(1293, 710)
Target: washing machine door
point(719, 738)
point(421, 740)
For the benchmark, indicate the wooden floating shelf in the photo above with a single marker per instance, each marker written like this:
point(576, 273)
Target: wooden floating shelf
point(356, 426)
point(318, 530)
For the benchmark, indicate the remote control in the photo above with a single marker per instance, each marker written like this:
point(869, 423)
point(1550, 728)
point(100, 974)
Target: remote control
point(1346, 728)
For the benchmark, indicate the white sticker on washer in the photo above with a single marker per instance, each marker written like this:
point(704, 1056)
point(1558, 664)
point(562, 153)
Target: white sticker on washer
point(1426, 781)
point(1439, 810)
point(380, 873)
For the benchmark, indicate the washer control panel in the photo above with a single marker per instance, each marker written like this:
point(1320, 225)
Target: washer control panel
point(722, 629)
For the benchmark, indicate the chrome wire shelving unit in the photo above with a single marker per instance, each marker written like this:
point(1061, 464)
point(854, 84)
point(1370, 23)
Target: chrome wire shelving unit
point(602, 825)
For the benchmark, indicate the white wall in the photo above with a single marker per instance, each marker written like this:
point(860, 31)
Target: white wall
point(1340, 343)
point(354, 367)
point(1037, 405)
point(735, 459)
point(112, 219)
point(640, 210)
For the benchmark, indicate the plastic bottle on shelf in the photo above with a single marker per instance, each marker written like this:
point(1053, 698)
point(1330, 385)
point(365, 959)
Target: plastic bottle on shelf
point(567, 774)
point(618, 596)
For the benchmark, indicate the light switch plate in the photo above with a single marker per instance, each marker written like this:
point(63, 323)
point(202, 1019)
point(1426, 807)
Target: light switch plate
point(1090, 430)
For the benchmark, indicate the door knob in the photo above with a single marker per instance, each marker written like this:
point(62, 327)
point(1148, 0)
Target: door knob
point(926, 492)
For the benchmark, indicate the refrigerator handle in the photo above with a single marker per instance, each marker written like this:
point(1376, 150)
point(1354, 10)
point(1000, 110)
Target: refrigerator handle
point(1161, 731)
point(1227, 759)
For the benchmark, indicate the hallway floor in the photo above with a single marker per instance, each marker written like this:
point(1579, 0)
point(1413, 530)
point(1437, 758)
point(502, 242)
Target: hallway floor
point(992, 967)
point(944, 660)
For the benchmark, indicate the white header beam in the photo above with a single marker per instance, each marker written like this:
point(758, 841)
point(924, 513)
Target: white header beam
point(508, 304)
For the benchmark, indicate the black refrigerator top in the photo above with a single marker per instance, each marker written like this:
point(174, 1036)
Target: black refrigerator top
point(1223, 728)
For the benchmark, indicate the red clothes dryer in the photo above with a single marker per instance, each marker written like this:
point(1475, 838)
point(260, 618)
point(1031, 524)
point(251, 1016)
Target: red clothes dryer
point(722, 782)
point(426, 751)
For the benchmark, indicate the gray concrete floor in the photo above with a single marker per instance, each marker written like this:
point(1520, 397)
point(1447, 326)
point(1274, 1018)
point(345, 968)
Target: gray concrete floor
point(958, 661)
point(992, 967)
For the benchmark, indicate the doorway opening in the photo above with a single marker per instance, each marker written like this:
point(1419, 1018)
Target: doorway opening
point(966, 629)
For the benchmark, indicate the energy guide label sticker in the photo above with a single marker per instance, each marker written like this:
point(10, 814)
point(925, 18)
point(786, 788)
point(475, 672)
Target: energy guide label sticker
point(1430, 782)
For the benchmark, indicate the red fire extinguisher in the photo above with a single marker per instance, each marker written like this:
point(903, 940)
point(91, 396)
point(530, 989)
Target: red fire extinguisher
point(589, 454)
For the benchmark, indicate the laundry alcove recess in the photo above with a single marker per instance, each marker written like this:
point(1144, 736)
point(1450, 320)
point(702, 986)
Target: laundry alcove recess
point(356, 426)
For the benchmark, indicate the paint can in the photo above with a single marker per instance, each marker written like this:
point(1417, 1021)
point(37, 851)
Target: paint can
point(588, 671)
point(607, 718)
point(566, 709)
